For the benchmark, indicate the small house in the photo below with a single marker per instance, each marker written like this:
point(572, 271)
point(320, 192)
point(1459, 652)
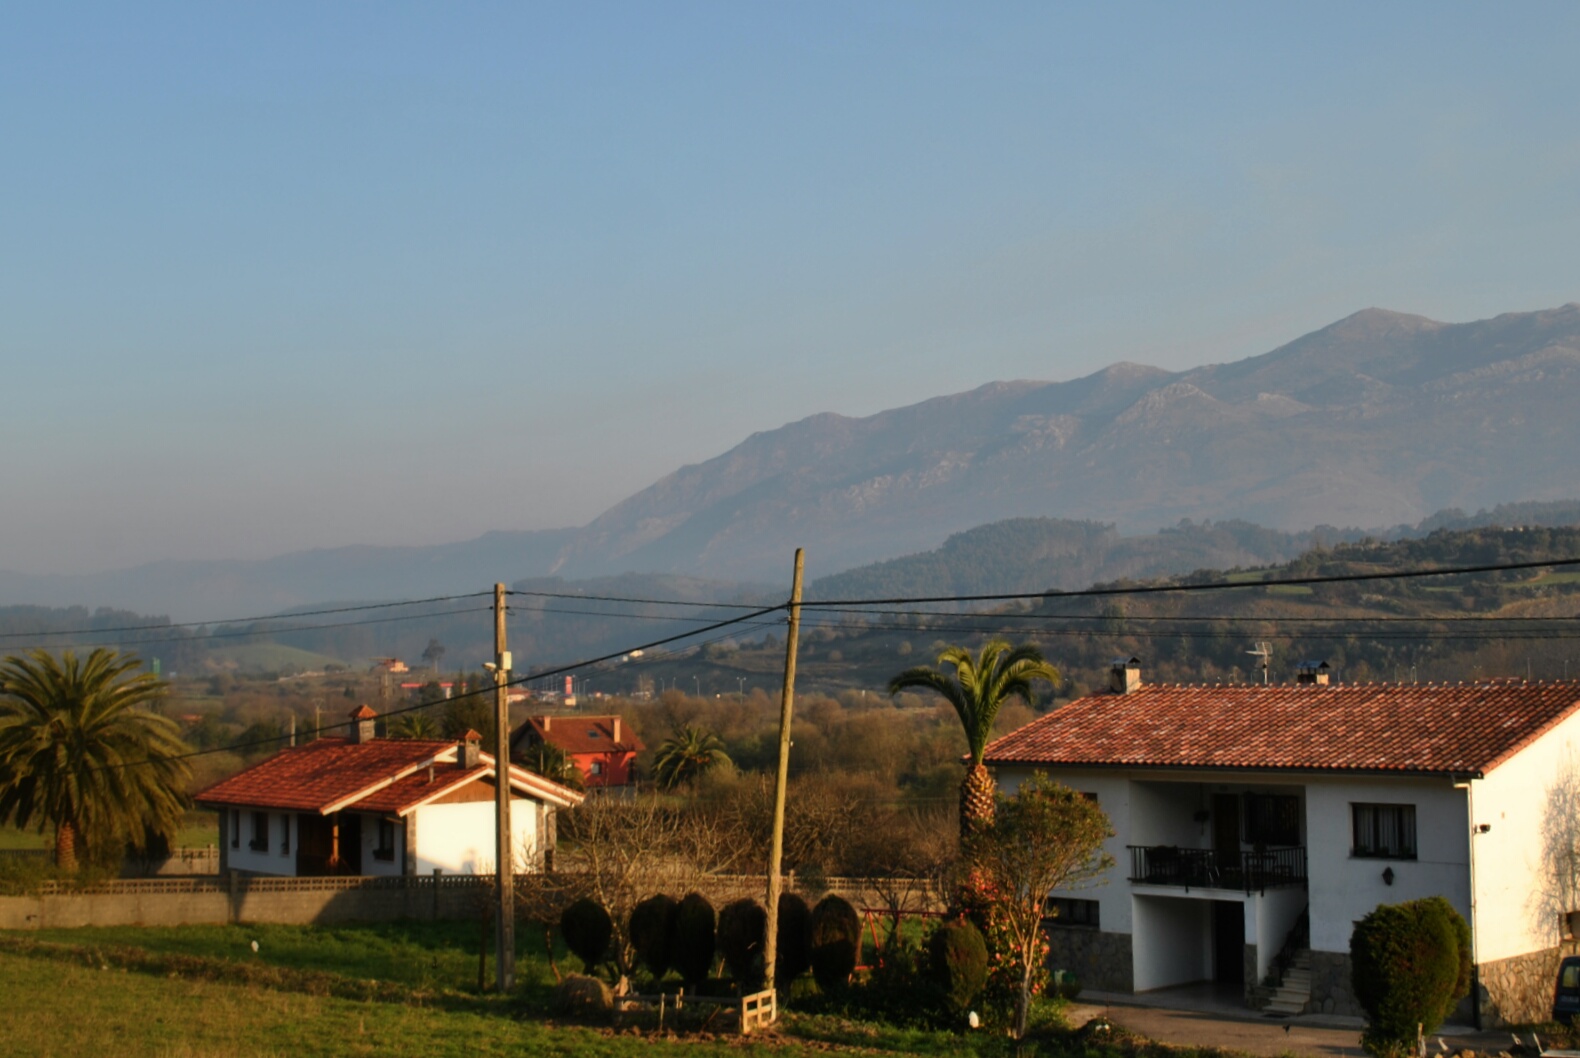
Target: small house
point(603, 748)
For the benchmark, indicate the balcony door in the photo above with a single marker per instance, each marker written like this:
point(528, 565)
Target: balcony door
point(1226, 832)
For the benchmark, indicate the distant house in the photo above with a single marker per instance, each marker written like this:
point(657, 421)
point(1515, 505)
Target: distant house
point(371, 806)
point(1254, 824)
point(603, 748)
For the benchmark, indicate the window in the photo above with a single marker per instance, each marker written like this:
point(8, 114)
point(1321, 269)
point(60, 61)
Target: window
point(235, 828)
point(386, 845)
point(1384, 830)
point(260, 832)
point(1272, 819)
point(285, 835)
point(1077, 914)
point(1089, 795)
point(597, 767)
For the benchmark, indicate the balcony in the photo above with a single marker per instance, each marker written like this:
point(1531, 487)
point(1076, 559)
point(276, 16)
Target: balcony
point(1250, 871)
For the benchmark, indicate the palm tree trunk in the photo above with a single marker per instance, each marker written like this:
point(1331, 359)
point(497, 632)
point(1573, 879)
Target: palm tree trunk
point(66, 846)
point(976, 800)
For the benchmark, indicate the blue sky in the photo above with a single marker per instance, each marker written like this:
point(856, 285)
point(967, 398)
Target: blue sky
point(283, 275)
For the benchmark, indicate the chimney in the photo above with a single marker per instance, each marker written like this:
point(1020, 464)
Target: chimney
point(1124, 675)
point(471, 750)
point(1312, 672)
point(544, 720)
point(615, 727)
point(362, 726)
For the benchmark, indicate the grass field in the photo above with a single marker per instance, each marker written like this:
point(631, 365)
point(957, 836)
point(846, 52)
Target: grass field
point(394, 989)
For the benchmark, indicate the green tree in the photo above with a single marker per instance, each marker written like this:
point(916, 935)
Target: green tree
point(1411, 965)
point(977, 688)
point(82, 750)
point(551, 762)
point(416, 725)
point(687, 755)
point(1046, 837)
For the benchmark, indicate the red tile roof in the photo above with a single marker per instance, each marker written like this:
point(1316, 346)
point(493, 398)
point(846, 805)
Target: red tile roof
point(385, 775)
point(582, 734)
point(1411, 728)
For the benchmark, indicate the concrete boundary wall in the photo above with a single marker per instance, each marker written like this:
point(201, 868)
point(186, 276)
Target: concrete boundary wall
point(209, 900)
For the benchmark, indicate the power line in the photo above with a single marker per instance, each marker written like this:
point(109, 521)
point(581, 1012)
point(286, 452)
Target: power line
point(169, 625)
point(1221, 585)
point(1241, 618)
point(243, 634)
point(625, 598)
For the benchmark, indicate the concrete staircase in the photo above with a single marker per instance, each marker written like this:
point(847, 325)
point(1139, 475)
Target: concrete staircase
point(1293, 993)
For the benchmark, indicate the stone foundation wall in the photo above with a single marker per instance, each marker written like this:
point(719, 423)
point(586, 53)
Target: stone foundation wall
point(1331, 989)
point(1102, 961)
point(1519, 990)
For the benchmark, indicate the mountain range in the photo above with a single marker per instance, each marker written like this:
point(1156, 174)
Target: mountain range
point(1378, 419)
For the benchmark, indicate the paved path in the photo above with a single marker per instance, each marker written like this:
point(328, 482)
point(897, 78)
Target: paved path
point(1245, 1030)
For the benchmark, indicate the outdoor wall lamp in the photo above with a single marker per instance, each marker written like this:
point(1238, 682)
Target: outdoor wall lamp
point(1387, 875)
point(1482, 828)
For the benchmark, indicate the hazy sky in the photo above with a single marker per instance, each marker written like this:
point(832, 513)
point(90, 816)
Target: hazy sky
point(297, 275)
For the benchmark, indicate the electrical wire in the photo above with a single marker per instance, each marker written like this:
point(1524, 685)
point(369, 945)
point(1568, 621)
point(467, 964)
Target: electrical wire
point(244, 633)
point(625, 598)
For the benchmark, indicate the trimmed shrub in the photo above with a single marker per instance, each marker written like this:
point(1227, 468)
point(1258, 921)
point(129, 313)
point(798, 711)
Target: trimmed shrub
point(957, 959)
point(1411, 964)
point(742, 927)
point(653, 933)
point(579, 996)
point(692, 953)
point(587, 927)
point(794, 955)
point(836, 942)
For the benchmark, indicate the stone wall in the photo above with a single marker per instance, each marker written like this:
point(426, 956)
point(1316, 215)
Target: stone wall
point(1519, 990)
point(1102, 961)
point(1331, 989)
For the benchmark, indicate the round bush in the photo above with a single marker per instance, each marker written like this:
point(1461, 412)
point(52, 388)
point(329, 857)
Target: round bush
point(836, 941)
point(653, 933)
point(580, 996)
point(692, 953)
point(794, 955)
point(586, 927)
point(1410, 965)
point(957, 959)
point(743, 925)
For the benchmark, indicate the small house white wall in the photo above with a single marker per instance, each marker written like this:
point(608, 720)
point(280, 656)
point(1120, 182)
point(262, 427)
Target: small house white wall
point(1526, 802)
point(241, 856)
point(459, 838)
point(1161, 813)
point(1344, 887)
point(371, 864)
point(1171, 942)
point(1268, 919)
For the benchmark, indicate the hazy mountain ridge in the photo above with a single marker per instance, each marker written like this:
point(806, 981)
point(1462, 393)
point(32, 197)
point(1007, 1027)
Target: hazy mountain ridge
point(1377, 419)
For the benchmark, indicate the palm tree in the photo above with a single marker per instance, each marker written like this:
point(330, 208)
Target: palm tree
point(977, 688)
point(686, 756)
point(552, 763)
point(80, 750)
point(419, 725)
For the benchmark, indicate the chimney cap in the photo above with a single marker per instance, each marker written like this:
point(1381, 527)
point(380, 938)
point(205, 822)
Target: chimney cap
point(471, 736)
point(364, 712)
point(1124, 662)
point(1313, 665)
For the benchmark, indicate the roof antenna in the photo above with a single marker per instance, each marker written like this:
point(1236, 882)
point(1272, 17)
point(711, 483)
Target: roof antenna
point(1265, 652)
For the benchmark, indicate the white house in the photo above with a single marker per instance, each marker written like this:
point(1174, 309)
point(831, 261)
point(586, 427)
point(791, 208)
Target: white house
point(1254, 824)
point(371, 806)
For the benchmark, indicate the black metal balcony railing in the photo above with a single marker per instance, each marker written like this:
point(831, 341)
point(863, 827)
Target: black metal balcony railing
point(1212, 869)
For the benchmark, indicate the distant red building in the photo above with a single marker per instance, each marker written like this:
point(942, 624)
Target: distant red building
point(603, 748)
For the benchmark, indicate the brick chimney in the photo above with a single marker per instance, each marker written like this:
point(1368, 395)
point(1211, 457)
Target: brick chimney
point(1314, 673)
point(363, 723)
point(1124, 675)
point(614, 727)
point(471, 750)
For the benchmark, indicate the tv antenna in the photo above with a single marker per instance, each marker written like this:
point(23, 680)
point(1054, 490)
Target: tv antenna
point(1265, 652)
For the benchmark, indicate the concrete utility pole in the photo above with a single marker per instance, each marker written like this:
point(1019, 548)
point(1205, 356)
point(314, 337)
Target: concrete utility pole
point(505, 934)
point(776, 847)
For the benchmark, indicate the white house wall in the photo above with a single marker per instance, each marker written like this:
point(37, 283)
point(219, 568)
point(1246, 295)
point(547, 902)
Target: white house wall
point(1344, 887)
point(241, 857)
point(1517, 904)
point(459, 838)
point(371, 864)
point(1268, 919)
point(1172, 941)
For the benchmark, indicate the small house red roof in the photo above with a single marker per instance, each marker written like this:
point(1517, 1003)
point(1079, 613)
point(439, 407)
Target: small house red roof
point(384, 775)
point(582, 734)
point(1439, 729)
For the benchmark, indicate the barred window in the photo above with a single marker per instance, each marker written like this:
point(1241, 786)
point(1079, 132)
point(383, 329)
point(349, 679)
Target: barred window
point(1078, 913)
point(260, 832)
point(1272, 819)
point(1386, 831)
point(386, 842)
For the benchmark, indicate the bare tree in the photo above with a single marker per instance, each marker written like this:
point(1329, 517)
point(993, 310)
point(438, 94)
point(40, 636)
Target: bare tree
point(1558, 896)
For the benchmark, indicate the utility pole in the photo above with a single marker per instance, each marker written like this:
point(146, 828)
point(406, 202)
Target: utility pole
point(505, 934)
point(776, 847)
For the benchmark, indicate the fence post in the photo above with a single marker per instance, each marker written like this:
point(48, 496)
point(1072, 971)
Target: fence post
point(437, 873)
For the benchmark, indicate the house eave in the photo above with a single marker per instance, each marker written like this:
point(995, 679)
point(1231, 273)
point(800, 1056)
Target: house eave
point(1456, 774)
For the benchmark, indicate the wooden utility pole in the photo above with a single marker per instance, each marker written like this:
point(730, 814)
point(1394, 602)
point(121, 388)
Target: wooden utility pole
point(776, 847)
point(505, 931)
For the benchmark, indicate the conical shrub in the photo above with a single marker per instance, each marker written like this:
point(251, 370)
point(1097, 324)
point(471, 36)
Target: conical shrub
point(957, 961)
point(836, 942)
point(743, 925)
point(653, 933)
point(692, 953)
point(794, 956)
point(587, 927)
